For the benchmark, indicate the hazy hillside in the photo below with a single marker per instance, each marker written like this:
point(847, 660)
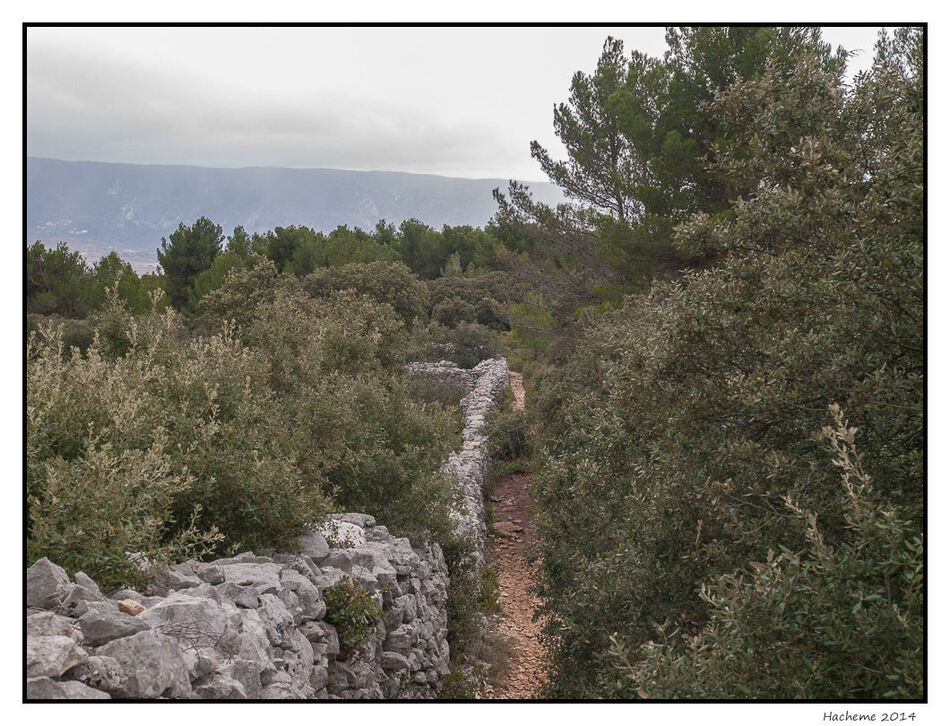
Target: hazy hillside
point(96, 207)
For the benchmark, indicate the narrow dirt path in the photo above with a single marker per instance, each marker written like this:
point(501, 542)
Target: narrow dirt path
point(513, 535)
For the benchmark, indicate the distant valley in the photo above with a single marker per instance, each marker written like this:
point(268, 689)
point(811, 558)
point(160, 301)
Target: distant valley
point(97, 207)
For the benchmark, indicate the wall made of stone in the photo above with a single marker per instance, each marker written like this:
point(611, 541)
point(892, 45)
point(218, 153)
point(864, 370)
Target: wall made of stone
point(486, 383)
point(245, 626)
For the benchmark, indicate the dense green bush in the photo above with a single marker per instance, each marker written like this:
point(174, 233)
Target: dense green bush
point(57, 281)
point(429, 389)
point(683, 423)
point(60, 282)
point(380, 452)
point(836, 621)
point(385, 282)
point(445, 397)
point(508, 435)
point(179, 436)
point(466, 345)
point(184, 256)
point(305, 339)
point(240, 295)
point(472, 343)
point(452, 311)
point(247, 428)
point(479, 299)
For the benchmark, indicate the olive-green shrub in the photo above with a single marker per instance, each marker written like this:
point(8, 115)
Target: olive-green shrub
point(249, 426)
point(834, 621)
point(508, 436)
point(354, 614)
point(170, 449)
point(479, 299)
point(682, 425)
point(466, 345)
point(384, 282)
point(76, 332)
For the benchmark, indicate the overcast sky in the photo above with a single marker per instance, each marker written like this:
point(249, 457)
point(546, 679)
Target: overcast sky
point(453, 101)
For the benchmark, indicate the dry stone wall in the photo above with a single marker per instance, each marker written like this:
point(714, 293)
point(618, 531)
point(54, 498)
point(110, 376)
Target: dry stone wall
point(245, 626)
point(486, 383)
point(258, 627)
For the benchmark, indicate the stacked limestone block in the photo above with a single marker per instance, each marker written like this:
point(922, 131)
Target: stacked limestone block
point(245, 626)
point(486, 383)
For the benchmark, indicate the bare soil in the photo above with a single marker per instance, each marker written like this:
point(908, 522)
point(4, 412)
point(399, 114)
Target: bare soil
point(514, 534)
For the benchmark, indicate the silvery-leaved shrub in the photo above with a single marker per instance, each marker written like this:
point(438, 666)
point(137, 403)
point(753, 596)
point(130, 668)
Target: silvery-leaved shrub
point(172, 448)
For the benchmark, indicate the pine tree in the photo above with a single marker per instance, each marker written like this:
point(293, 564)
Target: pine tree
point(186, 253)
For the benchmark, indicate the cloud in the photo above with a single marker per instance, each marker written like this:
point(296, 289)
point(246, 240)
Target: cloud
point(80, 105)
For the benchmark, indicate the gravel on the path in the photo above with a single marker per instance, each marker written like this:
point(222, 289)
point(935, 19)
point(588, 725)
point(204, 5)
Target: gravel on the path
point(513, 535)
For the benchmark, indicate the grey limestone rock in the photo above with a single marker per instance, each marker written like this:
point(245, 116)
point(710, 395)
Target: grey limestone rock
point(46, 585)
point(194, 621)
point(394, 661)
point(52, 655)
point(318, 677)
point(212, 574)
point(101, 673)
point(254, 642)
point(314, 545)
point(342, 534)
point(277, 620)
point(101, 625)
point(153, 663)
point(46, 622)
point(245, 672)
point(247, 626)
point(379, 533)
point(399, 639)
point(220, 686)
point(244, 596)
point(310, 602)
point(292, 603)
point(83, 580)
point(180, 577)
point(329, 576)
point(280, 692)
point(248, 558)
point(264, 577)
point(317, 631)
point(78, 594)
point(46, 688)
point(364, 578)
point(486, 383)
point(276, 677)
point(360, 520)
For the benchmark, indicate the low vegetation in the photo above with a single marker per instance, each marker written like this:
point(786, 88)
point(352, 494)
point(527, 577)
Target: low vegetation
point(248, 434)
point(354, 614)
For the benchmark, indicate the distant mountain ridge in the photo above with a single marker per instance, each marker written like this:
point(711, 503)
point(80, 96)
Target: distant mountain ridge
point(96, 207)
